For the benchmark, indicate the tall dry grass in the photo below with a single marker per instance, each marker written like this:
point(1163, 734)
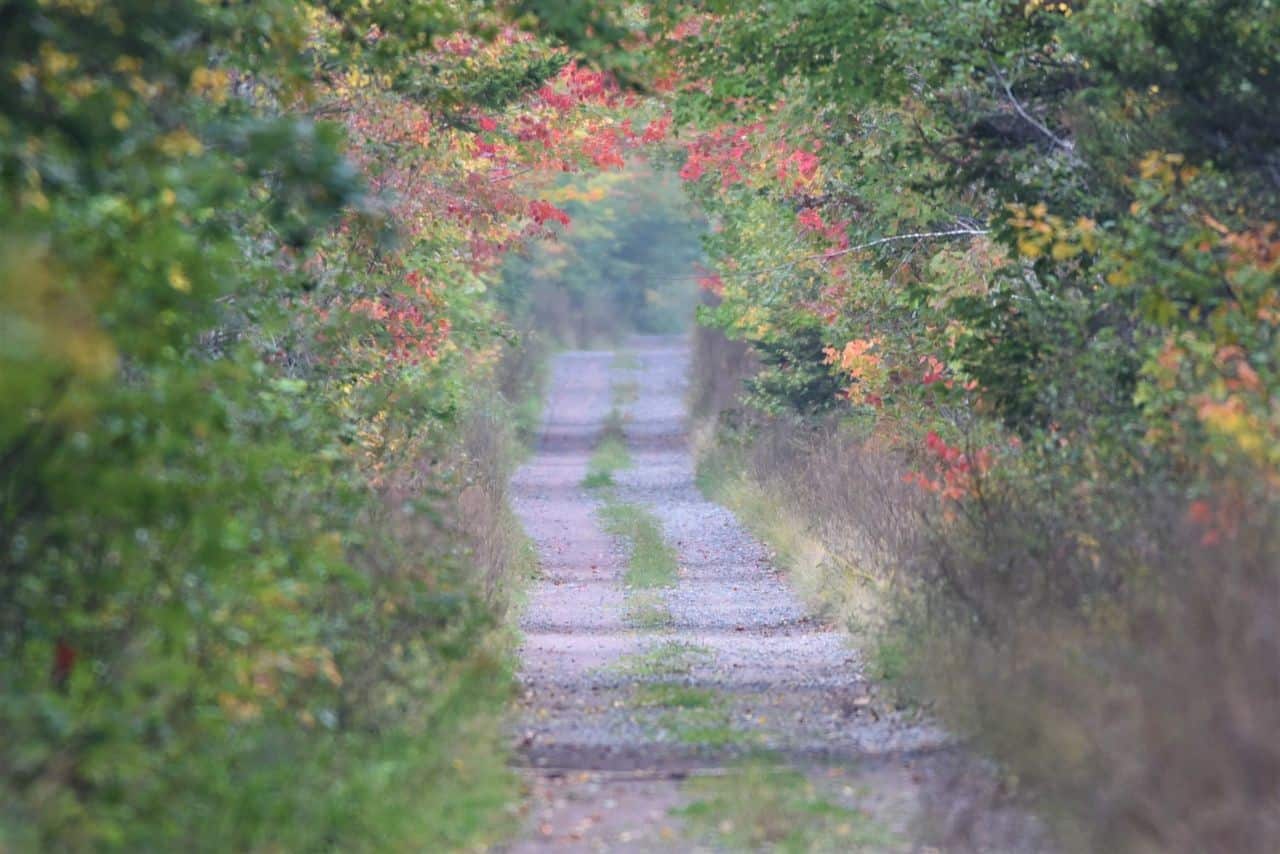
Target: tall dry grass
point(1122, 667)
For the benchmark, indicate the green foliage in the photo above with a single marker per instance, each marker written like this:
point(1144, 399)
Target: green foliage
point(792, 372)
point(520, 70)
point(1211, 66)
point(1120, 156)
point(601, 29)
point(1036, 244)
point(238, 609)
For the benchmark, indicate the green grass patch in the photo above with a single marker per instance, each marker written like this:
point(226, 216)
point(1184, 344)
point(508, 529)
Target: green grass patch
point(527, 403)
point(712, 473)
point(669, 658)
point(646, 610)
point(763, 805)
point(615, 424)
point(609, 456)
point(675, 695)
point(888, 659)
point(689, 714)
point(652, 562)
point(708, 727)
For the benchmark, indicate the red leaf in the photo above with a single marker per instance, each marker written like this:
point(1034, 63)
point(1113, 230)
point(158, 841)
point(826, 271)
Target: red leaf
point(542, 211)
point(64, 659)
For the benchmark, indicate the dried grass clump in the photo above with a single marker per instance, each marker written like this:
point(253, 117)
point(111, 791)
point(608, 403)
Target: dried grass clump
point(1121, 667)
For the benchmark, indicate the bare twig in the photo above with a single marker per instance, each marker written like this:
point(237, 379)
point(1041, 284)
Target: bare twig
point(919, 235)
point(825, 256)
point(1065, 144)
point(509, 176)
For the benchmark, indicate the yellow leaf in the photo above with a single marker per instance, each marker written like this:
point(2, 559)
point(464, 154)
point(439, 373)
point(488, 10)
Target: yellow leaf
point(1120, 278)
point(1062, 250)
point(178, 279)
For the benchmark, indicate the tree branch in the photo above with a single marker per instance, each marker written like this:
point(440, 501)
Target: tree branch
point(824, 256)
point(919, 235)
point(1065, 144)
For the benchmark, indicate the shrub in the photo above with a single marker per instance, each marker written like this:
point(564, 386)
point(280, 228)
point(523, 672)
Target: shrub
point(1114, 654)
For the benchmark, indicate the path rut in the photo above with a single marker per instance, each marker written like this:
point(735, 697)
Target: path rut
point(608, 770)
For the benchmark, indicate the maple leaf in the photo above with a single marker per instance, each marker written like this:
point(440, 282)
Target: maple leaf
point(543, 211)
point(811, 220)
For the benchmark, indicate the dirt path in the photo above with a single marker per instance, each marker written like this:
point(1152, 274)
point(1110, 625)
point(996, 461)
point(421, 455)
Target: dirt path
point(709, 711)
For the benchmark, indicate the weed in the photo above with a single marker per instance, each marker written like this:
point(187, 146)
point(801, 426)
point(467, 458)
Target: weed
point(597, 480)
point(625, 393)
point(703, 726)
point(690, 715)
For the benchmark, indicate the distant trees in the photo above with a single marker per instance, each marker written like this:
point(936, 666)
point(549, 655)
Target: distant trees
point(626, 264)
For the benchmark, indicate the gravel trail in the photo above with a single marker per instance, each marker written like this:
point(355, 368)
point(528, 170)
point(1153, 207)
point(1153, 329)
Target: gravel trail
point(606, 769)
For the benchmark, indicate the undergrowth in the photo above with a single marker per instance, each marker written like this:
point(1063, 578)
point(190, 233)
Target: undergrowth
point(646, 609)
point(414, 656)
point(1075, 629)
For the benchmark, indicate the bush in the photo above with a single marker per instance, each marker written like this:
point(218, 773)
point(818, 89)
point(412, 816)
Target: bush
point(254, 548)
point(1115, 656)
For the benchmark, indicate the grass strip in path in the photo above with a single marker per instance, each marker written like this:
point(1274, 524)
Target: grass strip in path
point(667, 659)
point(674, 695)
point(646, 609)
point(762, 804)
point(626, 361)
point(652, 562)
point(689, 714)
point(625, 393)
point(610, 455)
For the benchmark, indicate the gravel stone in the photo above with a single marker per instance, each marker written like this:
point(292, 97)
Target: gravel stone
point(604, 772)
